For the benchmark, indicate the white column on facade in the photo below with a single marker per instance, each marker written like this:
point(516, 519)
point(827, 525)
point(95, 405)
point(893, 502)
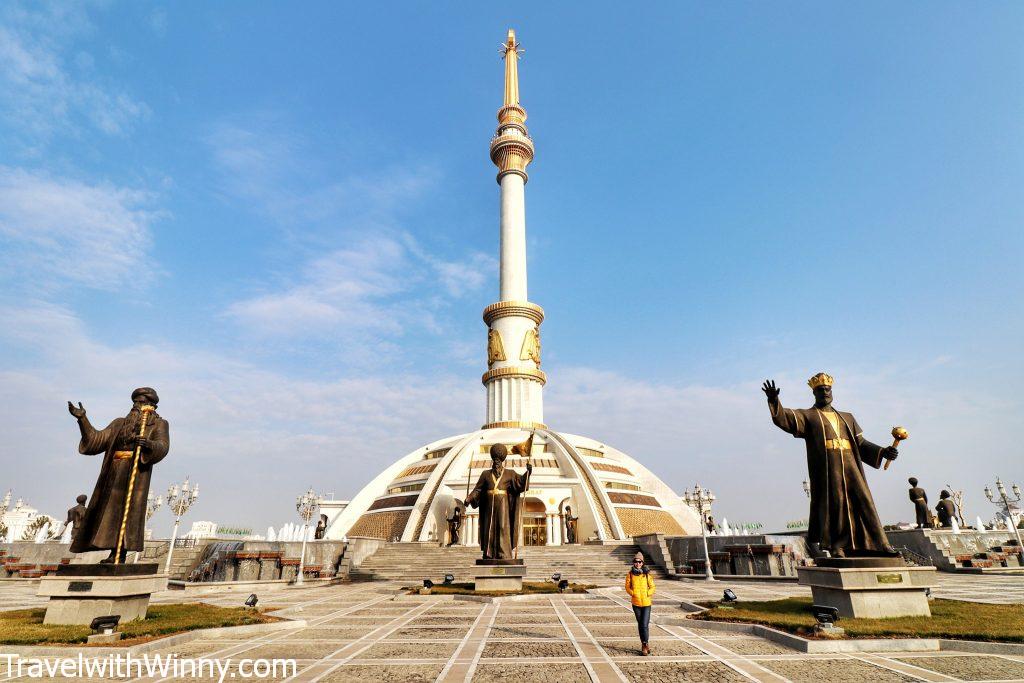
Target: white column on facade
point(550, 529)
point(556, 526)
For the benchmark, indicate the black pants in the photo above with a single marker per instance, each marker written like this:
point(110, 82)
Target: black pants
point(643, 620)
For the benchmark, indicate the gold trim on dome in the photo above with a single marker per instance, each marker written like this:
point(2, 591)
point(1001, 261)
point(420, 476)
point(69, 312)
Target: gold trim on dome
point(522, 373)
point(505, 309)
point(514, 424)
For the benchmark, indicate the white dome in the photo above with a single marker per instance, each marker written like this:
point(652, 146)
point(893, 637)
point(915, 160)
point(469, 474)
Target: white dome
point(614, 496)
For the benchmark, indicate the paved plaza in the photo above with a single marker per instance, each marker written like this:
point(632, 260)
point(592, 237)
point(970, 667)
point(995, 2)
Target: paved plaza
point(359, 632)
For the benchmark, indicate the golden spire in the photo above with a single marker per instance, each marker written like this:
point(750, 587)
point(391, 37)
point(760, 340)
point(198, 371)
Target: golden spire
point(511, 57)
point(511, 146)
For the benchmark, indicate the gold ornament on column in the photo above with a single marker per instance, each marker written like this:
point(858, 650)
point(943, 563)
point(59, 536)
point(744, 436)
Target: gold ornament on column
point(495, 349)
point(531, 346)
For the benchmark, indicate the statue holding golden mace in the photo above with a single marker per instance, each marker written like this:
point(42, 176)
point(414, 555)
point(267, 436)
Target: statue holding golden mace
point(898, 434)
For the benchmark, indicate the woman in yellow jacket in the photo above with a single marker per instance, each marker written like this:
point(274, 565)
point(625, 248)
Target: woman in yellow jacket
point(640, 587)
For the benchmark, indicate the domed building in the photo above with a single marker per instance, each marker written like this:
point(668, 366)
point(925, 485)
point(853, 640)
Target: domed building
point(612, 494)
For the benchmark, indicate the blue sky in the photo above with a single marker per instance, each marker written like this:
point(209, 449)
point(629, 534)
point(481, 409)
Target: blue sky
point(285, 219)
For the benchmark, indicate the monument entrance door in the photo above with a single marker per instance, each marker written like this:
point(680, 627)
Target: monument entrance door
point(535, 531)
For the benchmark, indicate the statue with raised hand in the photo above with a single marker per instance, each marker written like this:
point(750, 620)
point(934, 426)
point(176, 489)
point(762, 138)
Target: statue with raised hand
point(115, 518)
point(843, 521)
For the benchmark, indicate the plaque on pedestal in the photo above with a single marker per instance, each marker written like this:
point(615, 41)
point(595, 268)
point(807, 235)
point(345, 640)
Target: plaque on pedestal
point(499, 575)
point(81, 592)
point(870, 587)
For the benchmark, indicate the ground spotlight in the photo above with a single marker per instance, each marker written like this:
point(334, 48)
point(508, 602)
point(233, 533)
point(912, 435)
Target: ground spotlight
point(556, 577)
point(824, 614)
point(449, 579)
point(105, 625)
point(428, 584)
point(729, 596)
point(562, 585)
point(251, 600)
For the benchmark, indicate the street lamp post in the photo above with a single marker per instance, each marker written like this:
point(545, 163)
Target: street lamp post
point(306, 505)
point(152, 505)
point(179, 500)
point(1006, 504)
point(701, 500)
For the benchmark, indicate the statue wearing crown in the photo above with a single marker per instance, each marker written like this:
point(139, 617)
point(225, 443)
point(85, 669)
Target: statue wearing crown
point(843, 521)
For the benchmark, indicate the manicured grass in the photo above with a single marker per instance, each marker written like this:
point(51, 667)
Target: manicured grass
point(529, 588)
point(950, 619)
point(25, 627)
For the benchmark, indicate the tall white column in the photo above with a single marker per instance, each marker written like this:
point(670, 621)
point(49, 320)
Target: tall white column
point(513, 238)
point(550, 530)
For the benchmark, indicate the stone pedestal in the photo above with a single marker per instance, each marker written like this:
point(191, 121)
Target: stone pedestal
point(870, 588)
point(499, 575)
point(81, 592)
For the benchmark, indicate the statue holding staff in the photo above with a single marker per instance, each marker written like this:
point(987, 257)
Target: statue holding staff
point(843, 521)
point(115, 518)
point(497, 495)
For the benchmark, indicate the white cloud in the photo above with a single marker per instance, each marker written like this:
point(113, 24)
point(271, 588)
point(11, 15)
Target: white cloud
point(723, 437)
point(57, 230)
point(379, 283)
point(252, 437)
point(40, 96)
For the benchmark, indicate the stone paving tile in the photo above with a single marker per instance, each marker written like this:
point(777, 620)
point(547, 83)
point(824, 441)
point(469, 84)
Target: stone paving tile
point(435, 632)
point(398, 650)
point(386, 673)
point(673, 672)
point(548, 618)
point(442, 621)
point(327, 633)
point(355, 621)
point(194, 648)
point(617, 630)
point(527, 632)
point(753, 646)
point(970, 667)
point(818, 670)
point(314, 650)
point(536, 648)
point(625, 647)
point(502, 672)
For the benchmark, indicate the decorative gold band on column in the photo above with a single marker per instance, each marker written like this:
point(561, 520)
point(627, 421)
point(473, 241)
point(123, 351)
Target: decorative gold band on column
point(522, 373)
point(504, 309)
point(515, 424)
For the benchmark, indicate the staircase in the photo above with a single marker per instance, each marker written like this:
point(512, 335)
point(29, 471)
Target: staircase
point(413, 562)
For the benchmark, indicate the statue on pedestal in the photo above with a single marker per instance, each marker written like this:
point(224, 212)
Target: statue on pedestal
point(116, 515)
point(946, 509)
point(454, 524)
point(920, 500)
point(843, 521)
point(76, 515)
point(571, 524)
point(321, 528)
point(497, 494)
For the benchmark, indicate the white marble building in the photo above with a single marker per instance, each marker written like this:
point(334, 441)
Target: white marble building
point(614, 496)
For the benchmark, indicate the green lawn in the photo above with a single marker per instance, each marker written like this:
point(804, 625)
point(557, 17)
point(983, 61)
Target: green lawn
point(529, 588)
point(25, 627)
point(950, 619)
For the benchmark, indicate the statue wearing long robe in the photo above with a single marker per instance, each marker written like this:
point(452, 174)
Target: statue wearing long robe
point(497, 496)
point(842, 515)
point(102, 521)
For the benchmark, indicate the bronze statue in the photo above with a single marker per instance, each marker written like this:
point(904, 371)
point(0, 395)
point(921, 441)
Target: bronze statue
point(920, 500)
point(497, 495)
point(76, 515)
point(945, 509)
point(321, 528)
point(131, 446)
point(570, 525)
point(454, 524)
point(843, 521)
